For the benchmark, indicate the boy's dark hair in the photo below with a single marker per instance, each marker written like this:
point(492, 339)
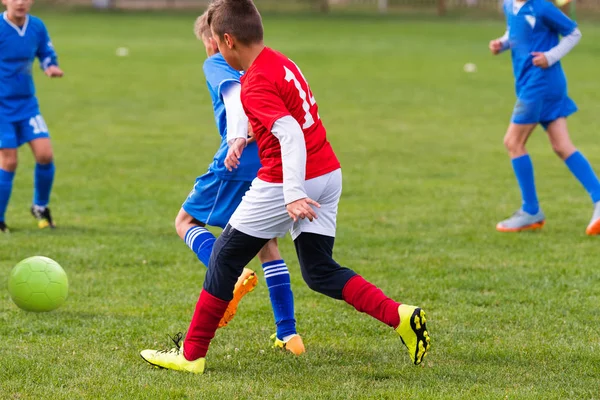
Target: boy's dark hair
point(239, 18)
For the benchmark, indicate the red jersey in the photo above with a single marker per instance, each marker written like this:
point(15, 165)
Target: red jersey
point(273, 88)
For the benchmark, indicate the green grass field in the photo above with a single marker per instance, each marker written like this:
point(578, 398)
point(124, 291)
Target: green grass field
point(425, 180)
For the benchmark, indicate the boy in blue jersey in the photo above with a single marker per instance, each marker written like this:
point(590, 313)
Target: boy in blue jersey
point(23, 38)
point(532, 35)
point(218, 192)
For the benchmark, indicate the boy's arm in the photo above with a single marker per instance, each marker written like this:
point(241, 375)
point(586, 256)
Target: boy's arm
point(293, 157)
point(237, 121)
point(566, 44)
point(558, 22)
point(504, 41)
point(237, 124)
point(45, 52)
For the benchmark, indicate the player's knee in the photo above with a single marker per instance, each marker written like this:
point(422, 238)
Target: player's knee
point(563, 150)
point(9, 165)
point(182, 222)
point(9, 162)
point(515, 146)
point(325, 277)
point(270, 252)
point(44, 157)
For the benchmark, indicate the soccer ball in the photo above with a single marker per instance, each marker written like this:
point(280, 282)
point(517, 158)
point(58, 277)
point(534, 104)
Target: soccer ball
point(38, 284)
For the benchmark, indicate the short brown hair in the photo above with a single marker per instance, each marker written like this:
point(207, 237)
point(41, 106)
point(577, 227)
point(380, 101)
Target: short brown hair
point(239, 18)
point(201, 27)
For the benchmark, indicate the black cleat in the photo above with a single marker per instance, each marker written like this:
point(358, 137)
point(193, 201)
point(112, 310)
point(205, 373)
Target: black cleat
point(42, 214)
point(3, 227)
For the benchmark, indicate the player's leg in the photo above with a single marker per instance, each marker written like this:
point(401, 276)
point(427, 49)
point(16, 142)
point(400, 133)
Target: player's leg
point(261, 215)
point(529, 216)
point(8, 166)
point(278, 281)
point(314, 243)
point(232, 251)
point(578, 165)
point(35, 132)
point(195, 235)
point(212, 201)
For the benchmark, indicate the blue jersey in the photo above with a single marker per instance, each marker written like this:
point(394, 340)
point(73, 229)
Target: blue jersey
point(535, 27)
point(218, 74)
point(19, 46)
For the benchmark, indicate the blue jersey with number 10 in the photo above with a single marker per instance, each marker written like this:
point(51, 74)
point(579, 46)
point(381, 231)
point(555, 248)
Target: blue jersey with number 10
point(218, 75)
point(535, 26)
point(19, 46)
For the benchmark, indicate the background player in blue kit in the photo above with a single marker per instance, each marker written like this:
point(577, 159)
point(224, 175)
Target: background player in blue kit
point(218, 192)
point(23, 38)
point(533, 29)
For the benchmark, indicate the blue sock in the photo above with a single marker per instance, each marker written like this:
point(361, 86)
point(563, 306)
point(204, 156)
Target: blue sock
point(581, 168)
point(42, 184)
point(6, 183)
point(201, 241)
point(282, 299)
point(524, 171)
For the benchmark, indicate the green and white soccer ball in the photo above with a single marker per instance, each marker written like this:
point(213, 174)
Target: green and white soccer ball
point(38, 284)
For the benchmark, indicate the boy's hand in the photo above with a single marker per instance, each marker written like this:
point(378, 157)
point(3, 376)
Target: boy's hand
point(236, 148)
point(53, 72)
point(301, 208)
point(495, 46)
point(539, 59)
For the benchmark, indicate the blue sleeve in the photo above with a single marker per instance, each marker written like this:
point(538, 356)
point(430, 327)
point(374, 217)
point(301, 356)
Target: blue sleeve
point(218, 76)
point(557, 21)
point(45, 52)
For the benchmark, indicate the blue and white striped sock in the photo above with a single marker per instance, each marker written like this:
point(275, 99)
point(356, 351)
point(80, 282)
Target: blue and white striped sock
point(201, 241)
point(282, 299)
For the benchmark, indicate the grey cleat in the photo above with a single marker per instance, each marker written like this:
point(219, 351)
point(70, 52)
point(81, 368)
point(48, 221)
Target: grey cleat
point(594, 226)
point(522, 221)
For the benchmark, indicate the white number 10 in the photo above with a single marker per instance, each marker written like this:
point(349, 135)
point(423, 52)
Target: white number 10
point(306, 97)
point(38, 124)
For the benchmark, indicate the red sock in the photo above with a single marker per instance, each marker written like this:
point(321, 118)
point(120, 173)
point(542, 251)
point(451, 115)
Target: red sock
point(368, 298)
point(208, 313)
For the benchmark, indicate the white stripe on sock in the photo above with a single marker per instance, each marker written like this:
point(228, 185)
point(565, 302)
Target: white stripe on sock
point(279, 284)
point(277, 274)
point(268, 267)
point(275, 270)
point(192, 236)
point(199, 231)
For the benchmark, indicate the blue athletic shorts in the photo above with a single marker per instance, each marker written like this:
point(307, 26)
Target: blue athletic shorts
point(542, 111)
point(213, 200)
point(15, 134)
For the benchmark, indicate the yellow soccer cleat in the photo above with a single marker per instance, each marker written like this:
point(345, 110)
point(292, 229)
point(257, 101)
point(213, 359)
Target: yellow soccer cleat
point(413, 332)
point(245, 284)
point(173, 358)
point(293, 344)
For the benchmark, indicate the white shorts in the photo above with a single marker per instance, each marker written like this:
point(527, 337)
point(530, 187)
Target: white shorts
point(262, 212)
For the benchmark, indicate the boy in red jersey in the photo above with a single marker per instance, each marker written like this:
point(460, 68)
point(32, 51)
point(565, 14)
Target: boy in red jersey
point(297, 190)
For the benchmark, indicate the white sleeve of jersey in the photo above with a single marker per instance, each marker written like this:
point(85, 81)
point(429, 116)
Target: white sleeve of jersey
point(237, 121)
point(504, 41)
point(293, 157)
point(565, 45)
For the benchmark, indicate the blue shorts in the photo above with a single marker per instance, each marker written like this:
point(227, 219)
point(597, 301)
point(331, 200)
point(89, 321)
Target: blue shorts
point(542, 111)
point(15, 134)
point(213, 200)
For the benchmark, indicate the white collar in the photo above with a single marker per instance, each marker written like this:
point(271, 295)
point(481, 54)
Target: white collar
point(21, 31)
